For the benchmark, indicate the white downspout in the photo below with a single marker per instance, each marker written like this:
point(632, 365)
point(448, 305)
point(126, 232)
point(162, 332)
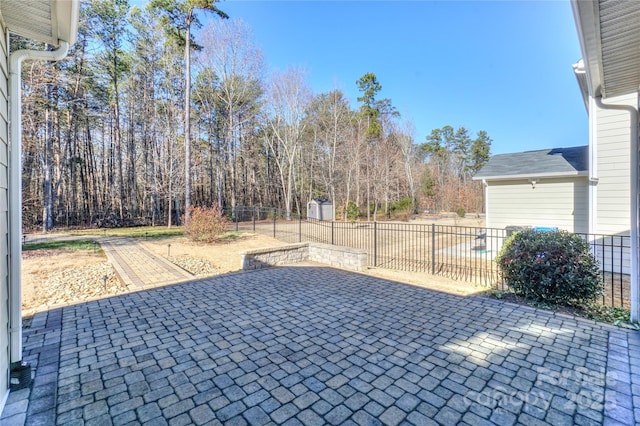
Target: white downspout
point(15, 186)
point(635, 291)
point(593, 167)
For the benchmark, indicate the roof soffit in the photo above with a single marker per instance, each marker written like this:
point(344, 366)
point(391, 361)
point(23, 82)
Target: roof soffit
point(586, 17)
point(609, 33)
point(47, 21)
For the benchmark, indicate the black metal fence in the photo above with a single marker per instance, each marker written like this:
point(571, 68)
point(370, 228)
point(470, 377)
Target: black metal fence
point(458, 252)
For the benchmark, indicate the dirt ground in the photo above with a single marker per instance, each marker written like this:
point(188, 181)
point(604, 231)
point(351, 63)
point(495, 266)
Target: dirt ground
point(432, 282)
point(44, 271)
point(224, 256)
point(451, 221)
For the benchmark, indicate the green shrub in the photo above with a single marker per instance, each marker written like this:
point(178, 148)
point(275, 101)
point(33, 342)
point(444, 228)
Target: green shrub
point(461, 212)
point(551, 267)
point(206, 224)
point(353, 211)
point(401, 209)
point(405, 204)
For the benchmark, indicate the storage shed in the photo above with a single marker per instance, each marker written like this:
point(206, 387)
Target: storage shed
point(320, 209)
point(542, 188)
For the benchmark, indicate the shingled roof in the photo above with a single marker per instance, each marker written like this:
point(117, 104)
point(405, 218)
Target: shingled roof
point(557, 162)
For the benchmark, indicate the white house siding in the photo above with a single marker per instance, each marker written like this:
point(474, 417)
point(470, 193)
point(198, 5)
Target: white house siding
point(613, 169)
point(612, 215)
point(4, 221)
point(554, 202)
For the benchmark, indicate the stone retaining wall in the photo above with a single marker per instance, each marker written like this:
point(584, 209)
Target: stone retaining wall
point(337, 256)
point(273, 256)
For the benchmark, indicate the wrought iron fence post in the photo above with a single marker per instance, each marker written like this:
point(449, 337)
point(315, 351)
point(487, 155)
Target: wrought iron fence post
point(299, 228)
point(433, 249)
point(332, 223)
point(274, 222)
point(375, 244)
point(254, 218)
point(235, 214)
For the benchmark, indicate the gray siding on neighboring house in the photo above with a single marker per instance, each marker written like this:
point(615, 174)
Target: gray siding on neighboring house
point(612, 202)
point(554, 202)
point(4, 219)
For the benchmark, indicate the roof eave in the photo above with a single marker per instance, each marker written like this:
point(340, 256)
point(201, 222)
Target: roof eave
point(533, 175)
point(586, 17)
point(67, 12)
point(581, 77)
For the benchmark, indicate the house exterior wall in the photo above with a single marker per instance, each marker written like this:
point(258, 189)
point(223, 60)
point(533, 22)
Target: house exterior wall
point(612, 208)
point(4, 219)
point(554, 202)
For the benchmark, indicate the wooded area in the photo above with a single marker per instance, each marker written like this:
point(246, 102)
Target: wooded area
point(111, 136)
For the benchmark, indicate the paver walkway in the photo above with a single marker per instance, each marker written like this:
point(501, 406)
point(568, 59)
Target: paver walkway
point(137, 267)
point(319, 346)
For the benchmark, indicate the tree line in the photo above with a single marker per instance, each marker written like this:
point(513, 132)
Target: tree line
point(147, 116)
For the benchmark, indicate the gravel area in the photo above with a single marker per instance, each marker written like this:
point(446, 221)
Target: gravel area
point(195, 265)
point(80, 283)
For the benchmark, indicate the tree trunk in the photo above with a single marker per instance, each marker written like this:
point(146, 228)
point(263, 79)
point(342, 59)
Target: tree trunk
point(187, 121)
point(47, 211)
point(116, 139)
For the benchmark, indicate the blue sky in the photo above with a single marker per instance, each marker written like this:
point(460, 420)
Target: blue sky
point(502, 66)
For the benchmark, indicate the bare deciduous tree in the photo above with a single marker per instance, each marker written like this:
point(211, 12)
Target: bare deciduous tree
point(288, 100)
point(237, 63)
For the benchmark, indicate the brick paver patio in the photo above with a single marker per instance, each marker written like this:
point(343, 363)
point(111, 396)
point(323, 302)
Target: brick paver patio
point(312, 346)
